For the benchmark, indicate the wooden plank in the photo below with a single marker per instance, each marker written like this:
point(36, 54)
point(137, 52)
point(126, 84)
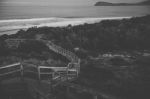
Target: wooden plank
point(12, 65)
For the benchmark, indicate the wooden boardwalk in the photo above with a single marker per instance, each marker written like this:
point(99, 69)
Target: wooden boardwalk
point(41, 74)
point(41, 79)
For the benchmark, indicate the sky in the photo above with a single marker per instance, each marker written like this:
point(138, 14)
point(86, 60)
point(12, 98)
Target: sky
point(61, 2)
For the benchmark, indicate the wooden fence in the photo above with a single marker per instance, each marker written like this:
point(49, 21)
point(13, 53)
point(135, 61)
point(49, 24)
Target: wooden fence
point(34, 72)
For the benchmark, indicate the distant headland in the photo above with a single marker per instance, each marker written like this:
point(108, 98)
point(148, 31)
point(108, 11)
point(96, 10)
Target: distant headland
point(102, 3)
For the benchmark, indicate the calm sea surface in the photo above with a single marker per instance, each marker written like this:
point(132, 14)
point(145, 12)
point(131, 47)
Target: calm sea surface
point(19, 12)
point(60, 15)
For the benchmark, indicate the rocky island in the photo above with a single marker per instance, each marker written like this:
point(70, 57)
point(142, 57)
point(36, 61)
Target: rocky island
point(102, 3)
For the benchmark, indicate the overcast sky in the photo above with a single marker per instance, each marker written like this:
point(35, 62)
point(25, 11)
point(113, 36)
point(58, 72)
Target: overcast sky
point(60, 2)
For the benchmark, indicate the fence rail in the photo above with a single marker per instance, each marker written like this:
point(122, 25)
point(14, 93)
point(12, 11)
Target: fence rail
point(9, 69)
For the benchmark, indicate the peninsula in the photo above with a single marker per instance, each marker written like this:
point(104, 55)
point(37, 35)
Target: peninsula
point(102, 3)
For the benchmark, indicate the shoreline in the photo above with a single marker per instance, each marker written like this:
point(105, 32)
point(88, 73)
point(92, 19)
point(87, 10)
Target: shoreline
point(12, 26)
point(35, 19)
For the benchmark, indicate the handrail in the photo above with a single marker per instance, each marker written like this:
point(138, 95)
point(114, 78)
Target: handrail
point(74, 60)
point(46, 73)
point(12, 65)
point(60, 50)
point(50, 67)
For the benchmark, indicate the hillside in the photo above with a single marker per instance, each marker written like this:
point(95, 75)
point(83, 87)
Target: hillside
point(114, 54)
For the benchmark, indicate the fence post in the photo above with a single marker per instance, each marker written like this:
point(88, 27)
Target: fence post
point(67, 73)
point(21, 68)
point(95, 97)
point(79, 65)
point(39, 75)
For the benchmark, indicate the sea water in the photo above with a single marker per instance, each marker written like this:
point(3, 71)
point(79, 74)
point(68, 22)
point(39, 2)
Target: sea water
point(15, 17)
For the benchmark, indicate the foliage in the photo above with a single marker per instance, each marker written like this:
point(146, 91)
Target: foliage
point(108, 35)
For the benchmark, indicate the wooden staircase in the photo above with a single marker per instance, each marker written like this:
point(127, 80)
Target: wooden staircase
point(74, 65)
point(41, 79)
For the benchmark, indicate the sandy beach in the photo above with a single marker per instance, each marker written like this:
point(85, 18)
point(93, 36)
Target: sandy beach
point(12, 26)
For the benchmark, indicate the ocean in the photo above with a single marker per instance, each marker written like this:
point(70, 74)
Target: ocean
point(13, 18)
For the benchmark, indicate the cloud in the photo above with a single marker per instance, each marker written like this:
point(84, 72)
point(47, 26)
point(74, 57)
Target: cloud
point(48, 2)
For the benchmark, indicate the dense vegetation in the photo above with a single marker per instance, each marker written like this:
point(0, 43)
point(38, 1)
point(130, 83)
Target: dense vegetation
point(34, 52)
point(108, 35)
point(118, 77)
